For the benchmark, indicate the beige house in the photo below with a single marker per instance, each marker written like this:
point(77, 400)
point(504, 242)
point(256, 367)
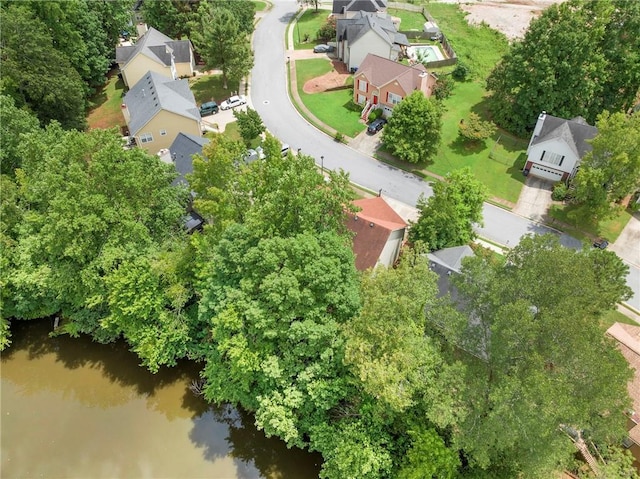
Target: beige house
point(157, 109)
point(366, 33)
point(156, 52)
point(382, 83)
point(379, 233)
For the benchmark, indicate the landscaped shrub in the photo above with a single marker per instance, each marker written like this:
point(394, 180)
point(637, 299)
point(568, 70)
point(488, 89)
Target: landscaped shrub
point(560, 191)
point(375, 114)
point(475, 129)
point(339, 137)
point(444, 87)
point(460, 72)
point(327, 31)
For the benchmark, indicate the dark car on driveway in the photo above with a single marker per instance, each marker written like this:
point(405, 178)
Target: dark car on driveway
point(375, 126)
point(322, 48)
point(600, 243)
point(209, 108)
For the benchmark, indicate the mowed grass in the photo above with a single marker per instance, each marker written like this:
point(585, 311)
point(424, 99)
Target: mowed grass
point(105, 106)
point(334, 108)
point(307, 26)
point(209, 88)
point(574, 224)
point(259, 5)
point(408, 20)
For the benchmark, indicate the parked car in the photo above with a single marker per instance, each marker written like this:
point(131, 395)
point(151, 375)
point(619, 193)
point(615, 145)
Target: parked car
point(252, 155)
point(375, 126)
point(209, 108)
point(285, 149)
point(233, 102)
point(323, 48)
point(600, 243)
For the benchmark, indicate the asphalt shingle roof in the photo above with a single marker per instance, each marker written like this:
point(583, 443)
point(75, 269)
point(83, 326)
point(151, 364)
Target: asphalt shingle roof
point(182, 150)
point(342, 6)
point(380, 71)
point(451, 258)
point(155, 92)
point(574, 132)
point(351, 29)
point(157, 46)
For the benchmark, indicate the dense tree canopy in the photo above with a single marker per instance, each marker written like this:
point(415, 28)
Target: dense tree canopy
point(447, 218)
point(15, 123)
point(413, 132)
point(577, 59)
point(86, 206)
point(611, 170)
point(536, 357)
point(223, 41)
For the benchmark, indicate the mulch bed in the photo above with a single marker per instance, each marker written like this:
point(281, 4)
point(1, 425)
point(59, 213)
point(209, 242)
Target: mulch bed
point(336, 78)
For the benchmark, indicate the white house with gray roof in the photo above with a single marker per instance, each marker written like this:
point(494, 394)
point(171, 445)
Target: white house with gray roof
point(157, 109)
point(368, 33)
point(154, 51)
point(557, 146)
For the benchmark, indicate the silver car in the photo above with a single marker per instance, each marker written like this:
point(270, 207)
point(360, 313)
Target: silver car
point(233, 102)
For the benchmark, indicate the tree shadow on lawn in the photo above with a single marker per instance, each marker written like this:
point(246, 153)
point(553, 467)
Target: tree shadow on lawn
point(515, 170)
point(464, 147)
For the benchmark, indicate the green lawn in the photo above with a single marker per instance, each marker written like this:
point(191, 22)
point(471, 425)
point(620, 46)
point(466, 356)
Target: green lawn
point(208, 88)
point(259, 5)
point(334, 108)
point(408, 20)
point(614, 316)
point(307, 27)
point(609, 228)
point(105, 106)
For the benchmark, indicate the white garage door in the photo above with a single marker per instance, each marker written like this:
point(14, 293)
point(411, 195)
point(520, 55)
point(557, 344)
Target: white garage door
point(546, 173)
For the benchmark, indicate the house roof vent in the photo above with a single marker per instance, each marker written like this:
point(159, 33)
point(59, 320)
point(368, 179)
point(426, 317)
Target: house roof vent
point(371, 225)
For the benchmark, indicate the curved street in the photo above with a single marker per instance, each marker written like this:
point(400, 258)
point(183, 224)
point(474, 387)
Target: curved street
point(270, 98)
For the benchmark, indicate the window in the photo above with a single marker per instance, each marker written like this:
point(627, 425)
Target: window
point(552, 158)
point(163, 132)
point(361, 99)
point(362, 85)
point(146, 138)
point(394, 99)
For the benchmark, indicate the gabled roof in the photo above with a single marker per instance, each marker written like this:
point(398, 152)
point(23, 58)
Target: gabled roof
point(451, 258)
point(352, 29)
point(574, 132)
point(381, 71)
point(372, 227)
point(343, 6)
point(158, 47)
point(182, 150)
point(155, 92)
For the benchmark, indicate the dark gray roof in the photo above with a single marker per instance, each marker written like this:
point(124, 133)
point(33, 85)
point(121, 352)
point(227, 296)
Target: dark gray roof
point(574, 132)
point(182, 150)
point(451, 258)
point(158, 47)
point(342, 6)
point(155, 92)
point(351, 29)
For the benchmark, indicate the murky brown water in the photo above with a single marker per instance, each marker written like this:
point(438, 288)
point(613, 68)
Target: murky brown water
point(72, 408)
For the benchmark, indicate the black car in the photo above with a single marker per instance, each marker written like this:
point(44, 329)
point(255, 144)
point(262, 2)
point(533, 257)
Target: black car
point(600, 243)
point(209, 108)
point(376, 126)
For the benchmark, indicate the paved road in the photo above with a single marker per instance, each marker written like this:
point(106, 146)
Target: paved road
point(270, 98)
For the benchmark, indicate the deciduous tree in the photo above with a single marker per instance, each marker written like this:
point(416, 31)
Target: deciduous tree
point(413, 132)
point(447, 218)
point(475, 129)
point(249, 123)
point(568, 64)
point(611, 170)
point(537, 358)
point(15, 123)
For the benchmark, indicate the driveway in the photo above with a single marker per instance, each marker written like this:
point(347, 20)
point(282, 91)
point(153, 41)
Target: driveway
point(218, 121)
point(367, 144)
point(535, 199)
point(628, 243)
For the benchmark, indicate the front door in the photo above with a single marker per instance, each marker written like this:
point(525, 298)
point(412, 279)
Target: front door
point(375, 99)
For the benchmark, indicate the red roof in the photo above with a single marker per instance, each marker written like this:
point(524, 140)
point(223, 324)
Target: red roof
point(372, 227)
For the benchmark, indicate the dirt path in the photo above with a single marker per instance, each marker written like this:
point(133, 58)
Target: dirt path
point(329, 81)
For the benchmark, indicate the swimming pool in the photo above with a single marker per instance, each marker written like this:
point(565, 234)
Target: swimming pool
point(425, 53)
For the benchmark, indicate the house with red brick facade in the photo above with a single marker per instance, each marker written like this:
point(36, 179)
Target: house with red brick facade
point(382, 83)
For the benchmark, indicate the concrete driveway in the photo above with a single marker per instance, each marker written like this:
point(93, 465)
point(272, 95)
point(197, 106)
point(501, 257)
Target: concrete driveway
point(535, 199)
point(367, 144)
point(218, 121)
point(627, 245)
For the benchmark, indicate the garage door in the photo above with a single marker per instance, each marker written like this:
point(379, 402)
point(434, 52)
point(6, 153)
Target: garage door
point(546, 173)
